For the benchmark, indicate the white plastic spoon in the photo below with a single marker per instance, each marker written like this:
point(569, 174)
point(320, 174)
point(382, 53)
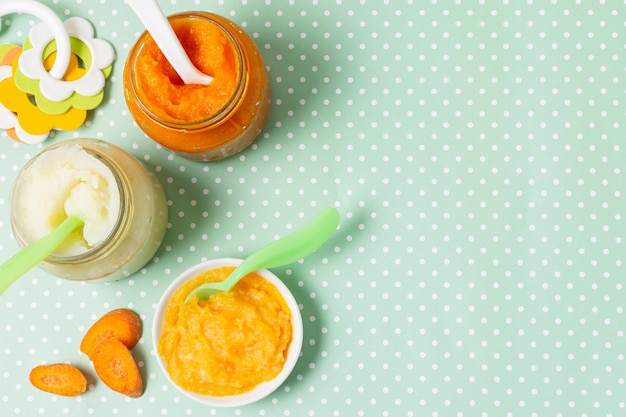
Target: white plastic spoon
point(155, 21)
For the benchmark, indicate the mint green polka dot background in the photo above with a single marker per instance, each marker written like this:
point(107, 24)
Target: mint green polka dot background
point(475, 152)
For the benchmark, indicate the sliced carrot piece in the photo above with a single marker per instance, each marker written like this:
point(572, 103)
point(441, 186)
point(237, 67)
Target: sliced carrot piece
point(122, 324)
point(117, 368)
point(60, 378)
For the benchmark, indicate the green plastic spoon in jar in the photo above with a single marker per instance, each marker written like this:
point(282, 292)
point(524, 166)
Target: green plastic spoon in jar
point(281, 252)
point(33, 254)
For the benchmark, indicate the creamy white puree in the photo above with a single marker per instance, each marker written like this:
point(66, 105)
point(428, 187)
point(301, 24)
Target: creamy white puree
point(65, 181)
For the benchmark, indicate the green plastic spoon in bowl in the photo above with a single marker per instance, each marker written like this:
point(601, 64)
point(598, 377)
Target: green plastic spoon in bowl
point(33, 254)
point(281, 252)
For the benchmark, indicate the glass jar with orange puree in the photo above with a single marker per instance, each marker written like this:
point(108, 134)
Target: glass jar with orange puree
point(200, 122)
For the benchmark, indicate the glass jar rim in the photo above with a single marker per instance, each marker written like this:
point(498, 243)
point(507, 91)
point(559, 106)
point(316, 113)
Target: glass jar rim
point(221, 115)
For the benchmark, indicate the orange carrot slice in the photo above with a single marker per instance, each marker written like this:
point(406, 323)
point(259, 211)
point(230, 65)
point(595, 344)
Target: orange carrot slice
point(60, 378)
point(121, 324)
point(117, 368)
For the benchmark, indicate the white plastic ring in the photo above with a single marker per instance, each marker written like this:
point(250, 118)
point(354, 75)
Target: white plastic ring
point(55, 24)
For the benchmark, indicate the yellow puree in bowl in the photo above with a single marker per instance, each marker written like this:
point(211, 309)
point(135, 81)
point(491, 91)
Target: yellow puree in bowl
point(230, 343)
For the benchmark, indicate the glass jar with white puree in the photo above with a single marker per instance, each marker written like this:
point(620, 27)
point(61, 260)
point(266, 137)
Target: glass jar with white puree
point(121, 203)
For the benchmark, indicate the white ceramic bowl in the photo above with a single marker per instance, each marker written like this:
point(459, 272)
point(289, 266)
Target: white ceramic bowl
point(262, 390)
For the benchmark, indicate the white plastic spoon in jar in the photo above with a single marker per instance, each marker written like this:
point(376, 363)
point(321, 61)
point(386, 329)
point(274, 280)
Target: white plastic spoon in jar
point(156, 23)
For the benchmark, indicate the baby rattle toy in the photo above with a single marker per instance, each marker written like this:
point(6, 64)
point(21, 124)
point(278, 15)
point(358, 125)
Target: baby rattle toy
point(55, 78)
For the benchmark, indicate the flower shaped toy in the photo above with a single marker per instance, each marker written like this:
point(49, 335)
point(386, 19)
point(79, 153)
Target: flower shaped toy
point(85, 92)
point(32, 101)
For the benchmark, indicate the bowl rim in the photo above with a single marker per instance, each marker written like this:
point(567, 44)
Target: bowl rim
point(265, 388)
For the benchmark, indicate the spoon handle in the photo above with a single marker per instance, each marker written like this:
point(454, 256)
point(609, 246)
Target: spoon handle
point(33, 254)
point(157, 24)
point(290, 248)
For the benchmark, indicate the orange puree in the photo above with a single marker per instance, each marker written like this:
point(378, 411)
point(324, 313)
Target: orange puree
point(212, 53)
point(230, 343)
